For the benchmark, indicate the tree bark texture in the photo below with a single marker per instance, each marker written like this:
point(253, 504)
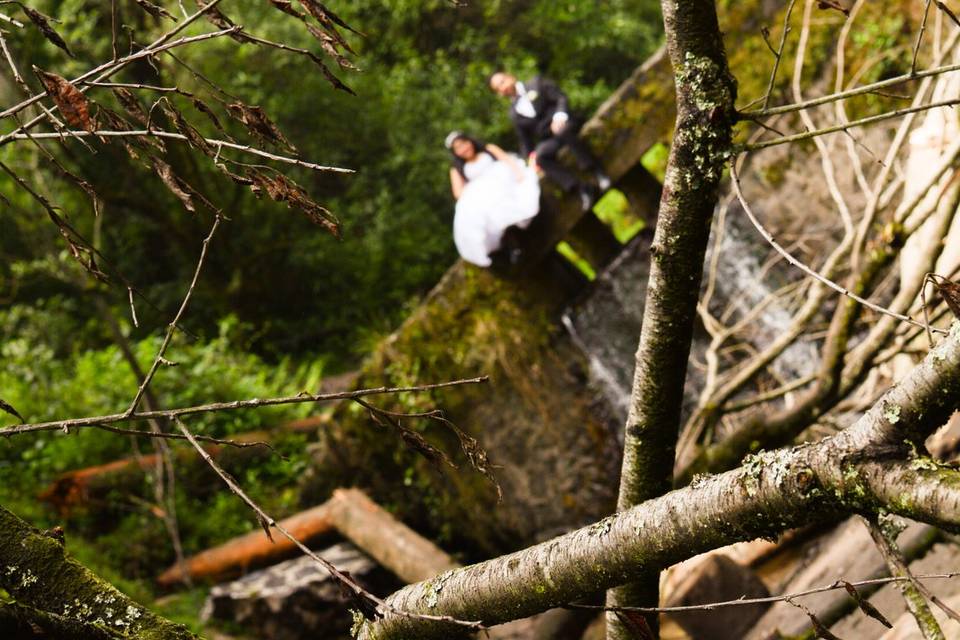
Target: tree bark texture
point(705, 116)
point(863, 469)
point(36, 572)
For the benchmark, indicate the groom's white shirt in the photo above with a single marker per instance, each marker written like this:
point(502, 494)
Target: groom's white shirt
point(524, 105)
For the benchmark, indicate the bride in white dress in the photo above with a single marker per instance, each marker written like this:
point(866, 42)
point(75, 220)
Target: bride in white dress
point(494, 191)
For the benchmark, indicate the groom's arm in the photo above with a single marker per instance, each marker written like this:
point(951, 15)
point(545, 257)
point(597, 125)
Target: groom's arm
point(554, 94)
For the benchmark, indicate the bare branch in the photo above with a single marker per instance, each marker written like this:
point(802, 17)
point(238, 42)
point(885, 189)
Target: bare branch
point(301, 398)
point(810, 272)
point(172, 327)
point(158, 133)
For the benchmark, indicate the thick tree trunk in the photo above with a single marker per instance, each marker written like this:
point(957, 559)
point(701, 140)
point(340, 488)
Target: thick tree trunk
point(705, 117)
point(771, 492)
point(19, 622)
point(36, 572)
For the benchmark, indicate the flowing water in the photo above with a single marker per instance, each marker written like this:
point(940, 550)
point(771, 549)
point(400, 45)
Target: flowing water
point(605, 323)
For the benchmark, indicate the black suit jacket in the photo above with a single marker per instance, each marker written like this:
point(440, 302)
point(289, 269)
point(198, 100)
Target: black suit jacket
point(547, 100)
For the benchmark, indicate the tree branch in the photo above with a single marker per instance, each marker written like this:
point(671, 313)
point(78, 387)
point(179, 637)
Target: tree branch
point(770, 493)
point(706, 93)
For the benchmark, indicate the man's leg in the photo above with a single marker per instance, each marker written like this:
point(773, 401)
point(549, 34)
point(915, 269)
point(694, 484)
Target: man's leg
point(568, 181)
point(570, 138)
point(547, 159)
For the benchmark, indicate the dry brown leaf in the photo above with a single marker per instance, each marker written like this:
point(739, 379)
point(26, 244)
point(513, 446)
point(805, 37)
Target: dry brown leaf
point(951, 295)
point(177, 186)
point(258, 123)
point(205, 109)
point(194, 138)
point(287, 7)
point(6, 407)
point(866, 606)
point(221, 21)
point(69, 100)
point(833, 4)
point(42, 22)
point(155, 10)
point(325, 16)
point(282, 189)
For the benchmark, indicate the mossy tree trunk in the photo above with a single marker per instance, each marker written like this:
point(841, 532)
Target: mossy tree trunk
point(55, 592)
point(705, 116)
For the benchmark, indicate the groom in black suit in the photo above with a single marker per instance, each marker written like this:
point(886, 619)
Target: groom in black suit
point(539, 111)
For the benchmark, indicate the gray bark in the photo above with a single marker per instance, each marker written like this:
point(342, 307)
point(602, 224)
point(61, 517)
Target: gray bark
point(863, 469)
point(705, 116)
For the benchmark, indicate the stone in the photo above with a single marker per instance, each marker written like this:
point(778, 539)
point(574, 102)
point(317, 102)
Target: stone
point(848, 553)
point(716, 578)
point(296, 599)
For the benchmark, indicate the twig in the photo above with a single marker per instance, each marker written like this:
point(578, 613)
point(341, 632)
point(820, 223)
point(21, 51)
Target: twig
point(913, 594)
point(810, 272)
point(370, 604)
point(163, 435)
point(158, 45)
point(171, 328)
point(301, 398)
point(850, 93)
point(742, 602)
point(853, 123)
point(770, 395)
point(779, 55)
point(144, 133)
point(923, 27)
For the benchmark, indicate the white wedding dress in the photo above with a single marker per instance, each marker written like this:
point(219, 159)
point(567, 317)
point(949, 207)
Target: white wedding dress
point(492, 200)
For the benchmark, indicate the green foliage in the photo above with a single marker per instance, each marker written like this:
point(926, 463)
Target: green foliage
point(46, 380)
point(424, 69)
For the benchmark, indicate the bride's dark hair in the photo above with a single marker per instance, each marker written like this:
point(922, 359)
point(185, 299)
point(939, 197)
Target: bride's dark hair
point(458, 162)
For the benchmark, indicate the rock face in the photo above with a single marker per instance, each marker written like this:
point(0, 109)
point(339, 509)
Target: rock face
point(848, 553)
point(296, 599)
point(606, 322)
point(718, 578)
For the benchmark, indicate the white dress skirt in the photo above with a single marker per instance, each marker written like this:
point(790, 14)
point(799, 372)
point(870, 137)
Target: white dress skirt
point(492, 200)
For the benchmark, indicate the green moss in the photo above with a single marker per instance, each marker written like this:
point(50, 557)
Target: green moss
point(36, 570)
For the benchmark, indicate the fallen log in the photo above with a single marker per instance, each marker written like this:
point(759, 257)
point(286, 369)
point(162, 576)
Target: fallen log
point(253, 549)
point(82, 487)
point(350, 512)
point(394, 545)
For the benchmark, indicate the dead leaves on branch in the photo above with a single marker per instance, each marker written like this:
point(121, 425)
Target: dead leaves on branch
point(194, 138)
point(70, 101)
point(42, 22)
point(282, 189)
point(476, 455)
point(155, 10)
point(259, 124)
point(277, 186)
point(327, 34)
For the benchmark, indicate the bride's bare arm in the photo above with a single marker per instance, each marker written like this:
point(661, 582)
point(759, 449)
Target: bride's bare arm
point(502, 156)
point(456, 183)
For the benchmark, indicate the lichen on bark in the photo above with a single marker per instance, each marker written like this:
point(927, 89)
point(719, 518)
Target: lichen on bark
point(705, 92)
point(37, 572)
